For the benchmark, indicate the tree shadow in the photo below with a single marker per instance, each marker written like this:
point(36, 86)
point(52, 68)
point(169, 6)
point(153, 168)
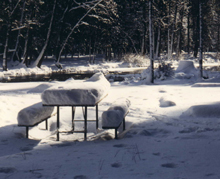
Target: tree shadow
point(12, 140)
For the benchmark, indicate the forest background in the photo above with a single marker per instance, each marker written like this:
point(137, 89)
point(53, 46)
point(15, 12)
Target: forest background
point(31, 30)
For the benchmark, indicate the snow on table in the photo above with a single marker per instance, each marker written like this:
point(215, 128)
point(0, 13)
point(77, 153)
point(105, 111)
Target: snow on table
point(115, 114)
point(74, 92)
point(34, 114)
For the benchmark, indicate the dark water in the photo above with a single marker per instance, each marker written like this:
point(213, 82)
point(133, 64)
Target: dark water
point(59, 76)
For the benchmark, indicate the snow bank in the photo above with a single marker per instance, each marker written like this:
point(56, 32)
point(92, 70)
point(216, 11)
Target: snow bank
point(115, 114)
point(34, 114)
point(204, 111)
point(76, 92)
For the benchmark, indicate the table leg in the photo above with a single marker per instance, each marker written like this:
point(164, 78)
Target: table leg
point(97, 117)
point(85, 124)
point(73, 115)
point(123, 123)
point(58, 123)
point(46, 124)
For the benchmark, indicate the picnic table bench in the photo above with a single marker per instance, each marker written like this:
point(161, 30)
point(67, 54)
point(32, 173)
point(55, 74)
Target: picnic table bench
point(34, 115)
point(115, 115)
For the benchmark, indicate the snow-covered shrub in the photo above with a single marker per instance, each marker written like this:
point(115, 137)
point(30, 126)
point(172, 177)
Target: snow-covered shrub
point(146, 76)
point(164, 70)
point(135, 60)
point(187, 70)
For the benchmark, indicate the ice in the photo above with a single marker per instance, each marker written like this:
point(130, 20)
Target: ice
point(77, 92)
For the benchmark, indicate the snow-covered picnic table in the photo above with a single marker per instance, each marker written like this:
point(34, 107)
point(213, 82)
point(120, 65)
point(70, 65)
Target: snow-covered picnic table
point(77, 94)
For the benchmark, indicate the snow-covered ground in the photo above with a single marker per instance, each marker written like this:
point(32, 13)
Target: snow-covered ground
point(172, 132)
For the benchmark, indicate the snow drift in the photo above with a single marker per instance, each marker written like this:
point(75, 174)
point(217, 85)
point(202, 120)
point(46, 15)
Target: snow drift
point(204, 111)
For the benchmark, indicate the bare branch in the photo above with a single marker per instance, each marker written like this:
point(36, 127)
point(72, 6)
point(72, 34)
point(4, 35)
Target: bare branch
point(77, 24)
point(15, 7)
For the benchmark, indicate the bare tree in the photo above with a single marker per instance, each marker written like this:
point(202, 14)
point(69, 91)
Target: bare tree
point(19, 31)
point(72, 30)
point(39, 59)
point(200, 39)
point(151, 43)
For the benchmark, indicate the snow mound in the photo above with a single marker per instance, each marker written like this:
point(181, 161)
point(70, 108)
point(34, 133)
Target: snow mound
point(166, 103)
point(146, 76)
point(186, 70)
point(186, 66)
point(204, 111)
point(115, 114)
point(77, 92)
point(34, 114)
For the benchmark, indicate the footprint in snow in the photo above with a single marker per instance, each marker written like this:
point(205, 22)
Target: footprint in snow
point(23, 149)
point(162, 91)
point(120, 145)
point(7, 170)
point(116, 165)
point(189, 130)
point(169, 165)
point(209, 174)
point(80, 177)
point(154, 132)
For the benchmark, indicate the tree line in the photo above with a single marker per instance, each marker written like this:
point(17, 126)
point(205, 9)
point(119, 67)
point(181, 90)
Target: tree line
point(33, 29)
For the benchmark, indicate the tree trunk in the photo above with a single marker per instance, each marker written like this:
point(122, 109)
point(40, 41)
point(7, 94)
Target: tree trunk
point(5, 54)
point(90, 46)
point(196, 27)
point(173, 27)
point(72, 30)
point(179, 34)
point(200, 39)
point(158, 44)
point(188, 33)
point(151, 43)
point(218, 38)
point(168, 36)
point(19, 33)
point(24, 56)
point(143, 48)
point(39, 59)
